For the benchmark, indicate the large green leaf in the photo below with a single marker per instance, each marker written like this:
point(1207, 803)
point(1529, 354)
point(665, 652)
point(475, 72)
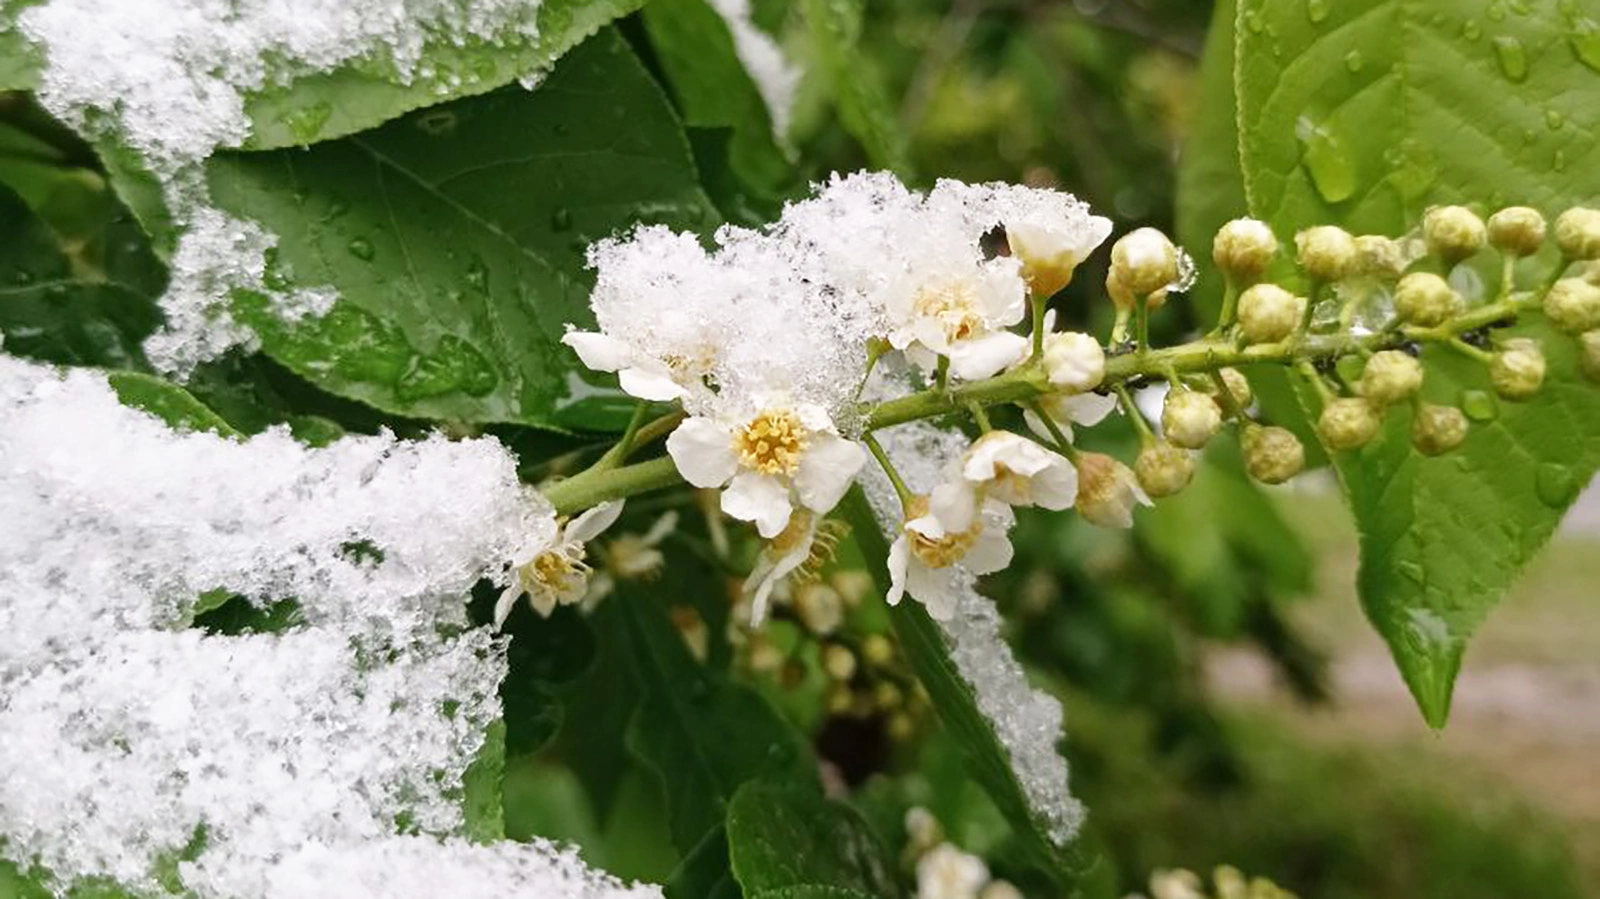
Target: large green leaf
point(455, 238)
point(167, 401)
point(929, 653)
point(863, 104)
point(1363, 113)
point(703, 734)
point(784, 836)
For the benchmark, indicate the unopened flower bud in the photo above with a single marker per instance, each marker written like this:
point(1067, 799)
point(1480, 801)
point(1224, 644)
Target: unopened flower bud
point(839, 699)
point(1268, 313)
point(1000, 889)
point(764, 656)
point(1326, 252)
point(1144, 261)
point(1074, 361)
point(1189, 418)
point(853, 584)
point(1390, 377)
point(1425, 299)
point(1107, 491)
point(1438, 429)
point(1121, 295)
point(1589, 354)
point(1517, 371)
point(1578, 233)
point(1573, 305)
point(838, 661)
point(1379, 257)
point(1517, 230)
point(1349, 423)
point(887, 697)
point(902, 727)
point(1164, 469)
point(1453, 232)
point(1238, 387)
point(1272, 454)
point(1244, 248)
point(820, 608)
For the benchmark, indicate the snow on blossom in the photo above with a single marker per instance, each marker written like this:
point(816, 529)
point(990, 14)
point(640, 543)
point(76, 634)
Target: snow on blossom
point(264, 761)
point(169, 79)
point(1027, 721)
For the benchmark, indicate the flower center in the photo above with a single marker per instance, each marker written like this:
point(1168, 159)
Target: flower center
point(557, 571)
point(944, 551)
point(954, 305)
point(771, 443)
point(1011, 487)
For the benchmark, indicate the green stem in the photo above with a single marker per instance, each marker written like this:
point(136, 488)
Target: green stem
point(1039, 304)
point(1063, 444)
point(941, 378)
point(888, 469)
point(1470, 351)
point(624, 444)
point(1309, 372)
point(1230, 406)
point(1230, 306)
point(597, 485)
point(980, 416)
point(1147, 437)
point(1141, 326)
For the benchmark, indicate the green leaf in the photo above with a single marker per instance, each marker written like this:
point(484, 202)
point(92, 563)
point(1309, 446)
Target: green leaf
point(811, 891)
point(705, 872)
point(925, 647)
point(19, 61)
point(784, 835)
point(455, 238)
point(484, 813)
point(168, 402)
point(864, 108)
point(1363, 114)
point(713, 90)
point(703, 734)
point(545, 653)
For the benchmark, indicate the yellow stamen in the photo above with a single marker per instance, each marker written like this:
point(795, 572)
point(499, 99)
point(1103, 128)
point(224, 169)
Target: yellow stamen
point(954, 304)
point(771, 443)
point(943, 551)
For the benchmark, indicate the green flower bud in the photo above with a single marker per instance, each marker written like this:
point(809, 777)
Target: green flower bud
point(1438, 429)
point(1425, 299)
point(1573, 305)
point(820, 607)
point(1326, 252)
point(1379, 257)
point(1190, 418)
point(1164, 469)
point(1517, 371)
point(1517, 230)
point(1272, 454)
point(877, 650)
point(1121, 295)
point(1453, 232)
point(1268, 313)
point(1589, 354)
point(1390, 377)
point(1578, 233)
point(1349, 423)
point(838, 661)
point(1144, 261)
point(1244, 248)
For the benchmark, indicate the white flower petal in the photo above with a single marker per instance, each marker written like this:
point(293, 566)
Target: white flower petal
point(827, 467)
point(759, 498)
point(1089, 409)
point(1056, 487)
point(933, 588)
point(953, 505)
point(508, 598)
point(899, 560)
point(990, 553)
point(600, 352)
point(1016, 453)
point(666, 524)
point(543, 602)
point(703, 452)
point(592, 522)
point(983, 357)
point(1002, 293)
point(649, 383)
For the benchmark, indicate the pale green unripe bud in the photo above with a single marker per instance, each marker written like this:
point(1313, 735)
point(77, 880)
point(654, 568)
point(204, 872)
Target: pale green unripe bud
point(1121, 295)
point(1327, 252)
point(1517, 230)
point(877, 650)
point(1379, 257)
point(1573, 305)
point(1438, 429)
point(1189, 418)
point(1268, 313)
point(1272, 454)
point(1425, 299)
point(1073, 361)
point(1238, 387)
point(820, 607)
point(1589, 354)
point(1578, 233)
point(1453, 232)
point(839, 662)
point(1391, 377)
point(1164, 469)
point(1244, 248)
point(1349, 423)
point(1000, 889)
point(1144, 261)
point(1517, 371)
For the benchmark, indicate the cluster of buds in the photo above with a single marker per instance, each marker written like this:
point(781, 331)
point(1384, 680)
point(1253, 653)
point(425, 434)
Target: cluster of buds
point(942, 869)
point(1229, 883)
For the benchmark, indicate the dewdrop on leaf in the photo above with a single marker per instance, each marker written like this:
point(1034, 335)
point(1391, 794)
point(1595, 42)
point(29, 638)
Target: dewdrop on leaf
point(1517, 370)
point(1391, 376)
point(1578, 233)
point(1573, 305)
point(1349, 423)
point(1425, 299)
point(1438, 429)
point(1244, 248)
point(1163, 469)
point(1454, 233)
point(1268, 313)
point(1144, 261)
point(1189, 419)
point(1326, 252)
point(1517, 230)
point(1272, 454)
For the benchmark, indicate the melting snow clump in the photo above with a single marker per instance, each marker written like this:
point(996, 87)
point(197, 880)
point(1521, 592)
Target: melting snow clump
point(774, 76)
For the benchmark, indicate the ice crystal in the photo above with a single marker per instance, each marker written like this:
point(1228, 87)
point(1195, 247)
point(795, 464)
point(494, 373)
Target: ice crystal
point(1027, 721)
point(268, 764)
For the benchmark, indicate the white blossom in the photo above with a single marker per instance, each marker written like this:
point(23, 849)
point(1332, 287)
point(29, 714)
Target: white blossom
point(928, 557)
point(960, 311)
point(554, 571)
point(768, 460)
point(1020, 472)
point(778, 559)
point(946, 872)
point(1068, 409)
point(1108, 491)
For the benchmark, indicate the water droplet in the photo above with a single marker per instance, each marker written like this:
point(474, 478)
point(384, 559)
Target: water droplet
point(1559, 163)
point(1413, 571)
point(1554, 120)
point(1353, 61)
point(23, 276)
point(453, 365)
point(361, 248)
point(1316, 10)
point(336, 209)
point(306, 122)
point(437, 122)
point(1584, 38)
point(1253, 21)
point(1471, 30)
point(1513, 58)
point(478, 275)
point(561, 219)
point(1321, 153)
point(1480, 405)
point(1556, 485)
point(1496, 12)
point(1413, 168)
